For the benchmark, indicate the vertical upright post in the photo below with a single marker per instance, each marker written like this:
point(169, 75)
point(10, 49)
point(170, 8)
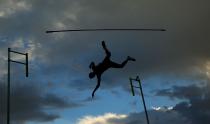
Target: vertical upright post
point(132, 90)
point(26, 64)
point(8, 78)
point(142, 95)
point(8, 89)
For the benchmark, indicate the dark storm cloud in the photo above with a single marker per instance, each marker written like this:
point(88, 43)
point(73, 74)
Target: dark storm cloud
point(197, 105)
point(183, 46)
point(179, 51)
point(181, 92)
point(29, 103)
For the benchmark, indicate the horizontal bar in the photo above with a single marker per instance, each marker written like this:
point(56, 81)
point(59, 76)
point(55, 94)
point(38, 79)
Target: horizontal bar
point(134, 79)
point(17, 62)
point(107, 29)
point(136, 87)
point(17, 52)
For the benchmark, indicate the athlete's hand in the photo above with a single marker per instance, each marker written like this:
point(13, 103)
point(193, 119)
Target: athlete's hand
point(103, 43)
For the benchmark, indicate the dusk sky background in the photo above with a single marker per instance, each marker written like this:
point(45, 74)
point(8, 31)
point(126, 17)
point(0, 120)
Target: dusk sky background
point(174, 66)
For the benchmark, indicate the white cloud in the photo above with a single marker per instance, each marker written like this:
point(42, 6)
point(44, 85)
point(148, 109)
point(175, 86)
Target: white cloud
point(2, 13)
point(208, 69)
point(164, 108)
point(155, 117)
point(9, 7)
point(18, 43)
point(102, 119)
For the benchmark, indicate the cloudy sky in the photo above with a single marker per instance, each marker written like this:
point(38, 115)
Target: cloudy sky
point(174, 66)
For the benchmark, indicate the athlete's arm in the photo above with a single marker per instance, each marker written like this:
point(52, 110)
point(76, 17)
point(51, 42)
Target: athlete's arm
point(92, 65)
point(97, 86)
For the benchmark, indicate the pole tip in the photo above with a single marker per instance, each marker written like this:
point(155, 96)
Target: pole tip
point(48, 32)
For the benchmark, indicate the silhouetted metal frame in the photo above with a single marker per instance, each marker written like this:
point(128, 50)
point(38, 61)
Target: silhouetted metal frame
point(8, 77)
point(107, 29)
point(142, 95)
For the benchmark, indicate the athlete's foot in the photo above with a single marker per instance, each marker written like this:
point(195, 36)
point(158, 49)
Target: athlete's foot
point(131, 59)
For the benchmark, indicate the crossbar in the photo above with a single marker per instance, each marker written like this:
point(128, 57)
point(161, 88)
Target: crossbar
point(107, 29)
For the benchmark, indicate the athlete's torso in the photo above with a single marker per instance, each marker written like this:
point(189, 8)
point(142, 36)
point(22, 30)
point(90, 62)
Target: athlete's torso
point(103, 66)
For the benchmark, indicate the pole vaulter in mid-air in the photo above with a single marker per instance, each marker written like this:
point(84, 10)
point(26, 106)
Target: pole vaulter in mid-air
point(97, 70)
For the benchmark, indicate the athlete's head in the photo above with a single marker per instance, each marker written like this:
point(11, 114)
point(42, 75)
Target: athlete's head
point(92, 75)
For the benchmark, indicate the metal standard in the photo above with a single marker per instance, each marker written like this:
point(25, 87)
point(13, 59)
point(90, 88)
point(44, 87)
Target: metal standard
point(142, 95)
point(8, 79)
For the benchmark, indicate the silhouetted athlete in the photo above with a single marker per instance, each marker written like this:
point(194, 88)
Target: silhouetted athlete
point(97, 70)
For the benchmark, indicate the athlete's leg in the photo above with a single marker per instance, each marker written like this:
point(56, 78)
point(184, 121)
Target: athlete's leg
point(131, 58)
point(116, 65)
